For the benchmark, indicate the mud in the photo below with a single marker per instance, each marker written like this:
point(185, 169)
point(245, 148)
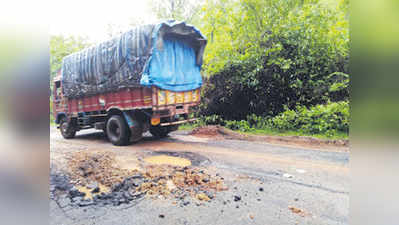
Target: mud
point(208, 131)
point(195, 159)
point(167, 160)
point(218, 132)
point(85, 168)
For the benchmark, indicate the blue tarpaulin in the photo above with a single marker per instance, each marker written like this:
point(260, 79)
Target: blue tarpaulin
point(167, 55)
point(174, 67)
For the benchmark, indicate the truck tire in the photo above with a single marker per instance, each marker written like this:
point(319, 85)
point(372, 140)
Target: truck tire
point(159, 131)
point(117, 130)
point(67, 130)
point(105, 133)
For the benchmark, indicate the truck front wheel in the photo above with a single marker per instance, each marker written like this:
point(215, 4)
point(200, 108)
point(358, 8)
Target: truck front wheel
point(117, 130)
point(67, 130)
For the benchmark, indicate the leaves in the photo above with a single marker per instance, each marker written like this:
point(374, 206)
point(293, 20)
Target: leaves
point(61, 46)
point(264, 55)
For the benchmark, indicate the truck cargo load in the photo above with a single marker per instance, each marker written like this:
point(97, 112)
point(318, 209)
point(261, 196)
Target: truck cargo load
point(166, 55)
point(147, 79)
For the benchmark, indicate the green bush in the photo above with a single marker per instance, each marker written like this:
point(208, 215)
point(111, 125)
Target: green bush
point(329, 120)
point(241, 125)
point(265, 55)
point(320, 119)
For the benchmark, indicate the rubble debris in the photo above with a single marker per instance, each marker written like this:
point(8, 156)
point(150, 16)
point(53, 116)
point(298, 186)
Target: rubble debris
point(237, 198)
point(297, 211)
point(97, 179)
point(91, 191)
point(203, 197)
point(86, 168)
point(95, 190)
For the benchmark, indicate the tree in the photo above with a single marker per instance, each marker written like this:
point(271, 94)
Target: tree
point(61, 46)
point(264, 55)
point(183, 10)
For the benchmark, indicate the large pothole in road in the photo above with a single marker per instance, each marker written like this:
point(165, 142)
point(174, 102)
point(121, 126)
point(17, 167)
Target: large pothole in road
point(181, 159)
point(167, 160)
point(96, 179)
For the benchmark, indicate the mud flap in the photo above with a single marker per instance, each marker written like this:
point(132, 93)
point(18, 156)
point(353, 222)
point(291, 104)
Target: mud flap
point(136, 129)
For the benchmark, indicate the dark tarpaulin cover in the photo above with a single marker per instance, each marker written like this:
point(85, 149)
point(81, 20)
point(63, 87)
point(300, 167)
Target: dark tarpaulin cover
point(167, 55)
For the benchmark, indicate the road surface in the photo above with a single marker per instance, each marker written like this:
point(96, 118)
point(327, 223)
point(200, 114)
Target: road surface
point(276, 184)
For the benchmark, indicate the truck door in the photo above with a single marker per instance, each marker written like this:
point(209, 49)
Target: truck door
point(57, 95)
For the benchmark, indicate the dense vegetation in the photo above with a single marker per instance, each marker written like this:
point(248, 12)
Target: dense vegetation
point(269, 65)
point(284, 61)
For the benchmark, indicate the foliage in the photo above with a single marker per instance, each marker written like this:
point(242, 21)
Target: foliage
point(320, 119)
point(330, 120)
point(264, 55)
point(275, 65)
point(182, 10)
point(60, 47)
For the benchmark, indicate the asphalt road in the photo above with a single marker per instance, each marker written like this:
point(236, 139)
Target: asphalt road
point(270, 179)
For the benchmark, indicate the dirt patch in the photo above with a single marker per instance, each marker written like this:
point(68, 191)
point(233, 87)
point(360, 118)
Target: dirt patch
point(208, 132)
point(221, 132)
point(96, 179)
point(84, 168)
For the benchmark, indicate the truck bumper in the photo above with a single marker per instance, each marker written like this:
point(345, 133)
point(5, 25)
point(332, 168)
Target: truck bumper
point(178, 122)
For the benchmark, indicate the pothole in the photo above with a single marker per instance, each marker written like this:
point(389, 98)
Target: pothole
point(96, 179)
point(167, 160)
point(90, 192)
point(194, 158)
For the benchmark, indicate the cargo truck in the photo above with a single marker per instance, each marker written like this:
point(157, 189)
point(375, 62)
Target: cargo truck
point(147, 79)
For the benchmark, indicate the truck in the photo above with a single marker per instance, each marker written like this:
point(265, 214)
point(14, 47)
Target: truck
point(147, 79)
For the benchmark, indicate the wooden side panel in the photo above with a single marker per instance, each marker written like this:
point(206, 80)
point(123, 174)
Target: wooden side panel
point(128, 98)
point(132, 98)
point(163, 99)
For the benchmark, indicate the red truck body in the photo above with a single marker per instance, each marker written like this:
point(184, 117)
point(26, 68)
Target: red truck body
point(146, 79)
point(153, 109)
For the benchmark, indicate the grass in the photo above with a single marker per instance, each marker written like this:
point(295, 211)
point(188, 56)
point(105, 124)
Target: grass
point(340, 135)
point(186, 126)
point(271, 132)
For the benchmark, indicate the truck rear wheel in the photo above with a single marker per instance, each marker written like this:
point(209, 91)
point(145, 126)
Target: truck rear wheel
point(117, 130)
point(67, 130)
